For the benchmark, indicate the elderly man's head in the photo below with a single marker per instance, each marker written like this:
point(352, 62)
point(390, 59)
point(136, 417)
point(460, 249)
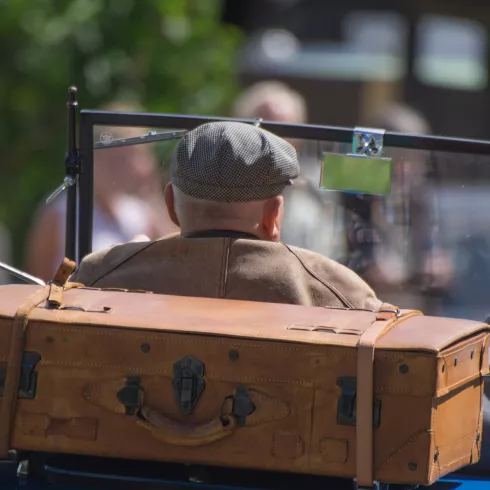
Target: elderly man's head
point(230, 176)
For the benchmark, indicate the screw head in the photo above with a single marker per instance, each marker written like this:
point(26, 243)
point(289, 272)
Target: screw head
point(403, 369)
point(234, 355)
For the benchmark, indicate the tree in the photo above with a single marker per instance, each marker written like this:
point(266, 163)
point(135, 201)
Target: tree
point(167, 55)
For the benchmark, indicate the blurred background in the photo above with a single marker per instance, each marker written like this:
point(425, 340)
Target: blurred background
point(413, 66)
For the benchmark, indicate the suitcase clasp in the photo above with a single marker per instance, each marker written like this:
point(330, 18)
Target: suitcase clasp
point(131, 395)
point(188, 383)
point(346, 407)
point(28, 376)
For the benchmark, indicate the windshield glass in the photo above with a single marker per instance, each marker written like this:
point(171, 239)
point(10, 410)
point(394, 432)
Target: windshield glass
point(424, 245)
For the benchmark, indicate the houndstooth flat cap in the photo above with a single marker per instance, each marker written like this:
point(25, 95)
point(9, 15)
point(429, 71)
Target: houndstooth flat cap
point(233, 162)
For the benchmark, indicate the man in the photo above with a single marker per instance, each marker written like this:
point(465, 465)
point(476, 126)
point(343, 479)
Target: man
point(225, 196)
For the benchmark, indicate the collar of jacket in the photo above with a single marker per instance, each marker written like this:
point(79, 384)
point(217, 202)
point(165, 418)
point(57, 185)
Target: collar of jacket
point(220, 234)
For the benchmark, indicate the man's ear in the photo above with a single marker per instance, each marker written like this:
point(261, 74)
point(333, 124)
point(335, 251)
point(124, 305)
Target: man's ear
point(170, 203)
point(272, 218)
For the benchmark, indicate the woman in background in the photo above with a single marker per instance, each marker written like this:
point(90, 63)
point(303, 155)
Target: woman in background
point(128, 202)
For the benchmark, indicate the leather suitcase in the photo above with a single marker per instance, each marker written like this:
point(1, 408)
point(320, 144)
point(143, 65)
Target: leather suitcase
point(390, 396)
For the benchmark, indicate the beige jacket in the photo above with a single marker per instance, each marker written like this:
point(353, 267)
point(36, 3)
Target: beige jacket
point(231, 268)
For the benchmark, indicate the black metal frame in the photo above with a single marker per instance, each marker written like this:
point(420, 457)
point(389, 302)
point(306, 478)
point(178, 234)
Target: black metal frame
point(79, 224)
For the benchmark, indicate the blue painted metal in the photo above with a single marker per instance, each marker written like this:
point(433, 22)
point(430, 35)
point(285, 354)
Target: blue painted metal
point(10, 481)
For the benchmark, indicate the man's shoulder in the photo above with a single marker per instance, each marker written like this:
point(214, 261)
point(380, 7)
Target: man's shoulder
point(355, 292)
point(309, 257)
point(98, 264)
point(323, 263)
point(321, 272)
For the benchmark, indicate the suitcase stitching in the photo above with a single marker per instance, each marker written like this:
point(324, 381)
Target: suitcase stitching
point(400, 449)
point(196, 341)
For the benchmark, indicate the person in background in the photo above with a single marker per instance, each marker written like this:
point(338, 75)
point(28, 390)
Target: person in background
point(309, 214)
point(393, 241)
point(128, 202)
point(271, 100)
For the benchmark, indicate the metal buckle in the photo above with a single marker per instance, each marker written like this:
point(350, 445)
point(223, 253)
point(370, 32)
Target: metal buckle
point(396, 311)
point(368, 141)
point(375, 486)
point(188, 383)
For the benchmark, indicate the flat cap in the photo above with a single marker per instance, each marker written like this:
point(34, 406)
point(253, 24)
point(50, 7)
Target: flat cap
point(233, 162)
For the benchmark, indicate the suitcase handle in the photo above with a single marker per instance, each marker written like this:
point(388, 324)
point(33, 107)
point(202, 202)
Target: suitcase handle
point(175, 433)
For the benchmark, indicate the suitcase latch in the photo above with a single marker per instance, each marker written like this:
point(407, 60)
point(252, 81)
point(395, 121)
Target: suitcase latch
point(188, 383)
point(242, 406)
point(28, 376)
point(346, 407)
point(131, 395)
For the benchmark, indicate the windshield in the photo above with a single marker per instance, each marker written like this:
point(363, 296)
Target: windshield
point(424, 245)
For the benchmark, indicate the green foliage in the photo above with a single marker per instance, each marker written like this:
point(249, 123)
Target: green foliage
point(167, 55)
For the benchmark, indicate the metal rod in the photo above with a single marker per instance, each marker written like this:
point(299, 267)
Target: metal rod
point(22, 275)
point(300, 131)
point(86, 187)
point(71, 168)
point(151, 137)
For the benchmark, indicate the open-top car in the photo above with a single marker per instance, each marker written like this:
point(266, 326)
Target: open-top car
point(101, 387)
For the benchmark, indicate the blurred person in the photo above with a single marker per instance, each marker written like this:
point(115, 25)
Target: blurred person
point(5, 253)
point(128, 203)
point(394, 242)
point(271, 100)
point(228, 204)
point(309, 213)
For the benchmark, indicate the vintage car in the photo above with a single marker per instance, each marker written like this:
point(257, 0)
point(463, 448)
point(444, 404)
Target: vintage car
point(345, 168)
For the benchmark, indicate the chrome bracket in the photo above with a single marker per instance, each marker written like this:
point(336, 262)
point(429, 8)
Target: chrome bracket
point(68, 181)
point(375, 486)
point(368, 142)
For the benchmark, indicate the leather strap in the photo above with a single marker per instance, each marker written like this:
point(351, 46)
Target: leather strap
point(57, 285)
point(14, 365)
point(387, 318)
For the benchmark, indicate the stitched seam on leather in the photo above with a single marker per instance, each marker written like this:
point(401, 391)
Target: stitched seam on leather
point(122, 261)
point(433, 433)
point(307, 350)
point(399, 450)
point(320, 279)
point(285, 409)
point(210, 376)
point(323, 447)
point(456, 462)
point(298, 447)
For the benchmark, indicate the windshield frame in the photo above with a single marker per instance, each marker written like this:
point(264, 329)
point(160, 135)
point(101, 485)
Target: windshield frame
point(80, 198)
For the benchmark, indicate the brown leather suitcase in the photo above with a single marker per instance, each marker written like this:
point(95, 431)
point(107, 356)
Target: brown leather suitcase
point(240, 384)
